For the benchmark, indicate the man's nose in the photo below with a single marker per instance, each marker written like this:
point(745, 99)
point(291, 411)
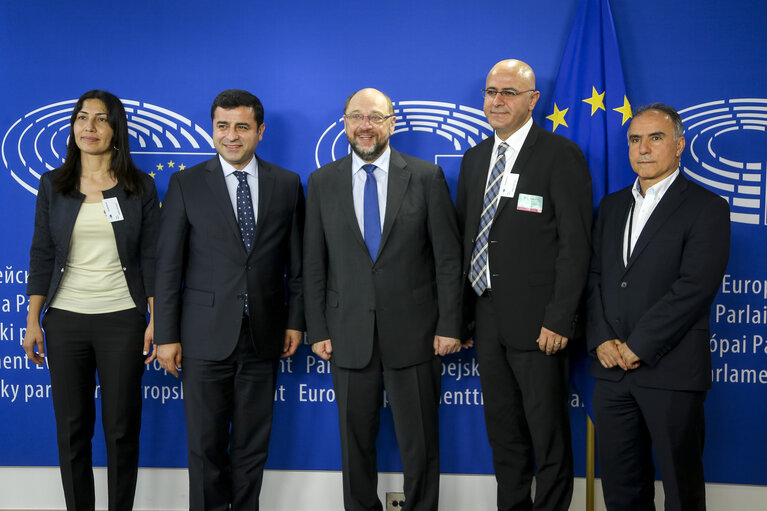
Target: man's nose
point(366, 121)
point(231, 133)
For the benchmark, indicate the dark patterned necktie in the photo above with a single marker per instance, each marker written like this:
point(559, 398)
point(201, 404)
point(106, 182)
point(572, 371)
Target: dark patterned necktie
point(245, 217)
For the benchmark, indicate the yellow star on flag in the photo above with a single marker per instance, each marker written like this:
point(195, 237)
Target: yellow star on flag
point(171, 164)
point(624, 110)
point(181, 167)
point(152, 174)
point(159, 166)
point(596, 100)
point(558, 117)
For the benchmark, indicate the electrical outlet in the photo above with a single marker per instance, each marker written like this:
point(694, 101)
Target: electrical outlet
point(395, 500)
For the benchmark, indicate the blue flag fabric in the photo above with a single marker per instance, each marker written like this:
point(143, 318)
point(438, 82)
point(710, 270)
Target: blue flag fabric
point(590, 107)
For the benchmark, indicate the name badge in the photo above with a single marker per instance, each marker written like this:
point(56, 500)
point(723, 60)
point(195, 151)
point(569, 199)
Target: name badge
point(509, 184)
point(533, 203)
point(112, 209)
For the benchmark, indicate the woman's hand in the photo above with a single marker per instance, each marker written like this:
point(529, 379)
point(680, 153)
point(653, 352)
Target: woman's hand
point(34, 338)
point(150, 350)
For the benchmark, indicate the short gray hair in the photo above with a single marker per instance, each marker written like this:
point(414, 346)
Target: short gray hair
point(673, 115)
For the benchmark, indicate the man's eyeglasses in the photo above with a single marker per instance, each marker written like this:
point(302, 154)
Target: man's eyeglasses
point(373, 118)
point(505, 94)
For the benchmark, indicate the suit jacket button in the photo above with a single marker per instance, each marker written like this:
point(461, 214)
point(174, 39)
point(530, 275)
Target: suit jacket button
point(623, 285)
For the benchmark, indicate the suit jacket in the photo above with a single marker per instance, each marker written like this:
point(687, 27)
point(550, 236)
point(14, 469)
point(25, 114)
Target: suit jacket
point(410, 293)
point(204, 271)
point(659, 303)
point(135, 236)
point(538, 261)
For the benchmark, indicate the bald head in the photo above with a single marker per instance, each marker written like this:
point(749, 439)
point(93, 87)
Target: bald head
point(372, 94)
point(516, 68)
point(507, 114)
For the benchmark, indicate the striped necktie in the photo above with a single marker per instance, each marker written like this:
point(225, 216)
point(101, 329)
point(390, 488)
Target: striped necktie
point(478, 271)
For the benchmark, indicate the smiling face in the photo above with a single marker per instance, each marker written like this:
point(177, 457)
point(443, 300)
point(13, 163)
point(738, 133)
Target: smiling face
point(92, 131)
point(236, 134)
point(507, 115)
point(653, 151)
point(369, 140)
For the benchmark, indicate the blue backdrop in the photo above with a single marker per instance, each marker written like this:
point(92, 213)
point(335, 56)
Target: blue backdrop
point(167, 60)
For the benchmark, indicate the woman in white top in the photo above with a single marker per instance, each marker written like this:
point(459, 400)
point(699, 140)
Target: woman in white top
point(92, 272)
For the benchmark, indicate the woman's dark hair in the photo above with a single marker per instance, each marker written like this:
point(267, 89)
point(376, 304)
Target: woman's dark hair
point(67, 180)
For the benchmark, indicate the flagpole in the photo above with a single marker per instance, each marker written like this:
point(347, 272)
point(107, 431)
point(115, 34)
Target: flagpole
point(590, 448)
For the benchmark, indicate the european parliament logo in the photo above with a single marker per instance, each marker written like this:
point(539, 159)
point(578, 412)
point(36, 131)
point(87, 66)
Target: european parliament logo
point(162, 141)
point(727, 153)
point(432, 130)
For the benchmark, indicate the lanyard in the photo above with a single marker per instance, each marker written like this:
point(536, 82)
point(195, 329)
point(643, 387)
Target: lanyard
point(631, 225)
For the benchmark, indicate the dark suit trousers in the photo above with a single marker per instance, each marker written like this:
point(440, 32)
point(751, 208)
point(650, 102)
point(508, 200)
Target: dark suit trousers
point(228, 407)
point(78, 347)
point(525, 395)
point(413, 393)
point(630, 422)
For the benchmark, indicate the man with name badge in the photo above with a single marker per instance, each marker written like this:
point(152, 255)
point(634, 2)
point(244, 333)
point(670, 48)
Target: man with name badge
point(524, 207)
point(229, 294)
point(660, 250)
point(382, 279)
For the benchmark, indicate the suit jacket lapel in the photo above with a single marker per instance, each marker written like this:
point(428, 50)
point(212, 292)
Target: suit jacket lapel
point(346, 199)
point(670, 202)
point(520, 164)
point(478, 184)
point(618, 224)
point(66, 215)
point(265, 189)
point(220, 195)
point(399, 177)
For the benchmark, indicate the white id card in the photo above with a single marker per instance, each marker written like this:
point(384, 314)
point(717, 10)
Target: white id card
point(112, 209)
point(509, 184)
point(533, 203)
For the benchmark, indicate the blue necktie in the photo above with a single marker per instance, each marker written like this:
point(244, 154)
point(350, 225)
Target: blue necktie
point(478, 270)
point(372, 215)
point(245, 217)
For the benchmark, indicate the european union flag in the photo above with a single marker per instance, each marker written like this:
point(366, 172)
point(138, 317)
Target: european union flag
point(590, 105)
point(591, 108)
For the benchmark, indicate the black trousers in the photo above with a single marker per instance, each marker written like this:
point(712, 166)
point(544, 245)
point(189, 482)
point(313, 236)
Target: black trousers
point(528, 424)
point(228, 407)
point(413, 393)
point(79, 346)
point(631, 421)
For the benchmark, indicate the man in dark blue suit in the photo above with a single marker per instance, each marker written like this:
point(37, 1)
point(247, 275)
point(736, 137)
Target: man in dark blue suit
point(229, 301)
point(660, 249)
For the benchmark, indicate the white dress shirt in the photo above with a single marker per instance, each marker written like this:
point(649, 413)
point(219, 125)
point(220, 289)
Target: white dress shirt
point(642, 209)
point(251, 169)
point(359, 177)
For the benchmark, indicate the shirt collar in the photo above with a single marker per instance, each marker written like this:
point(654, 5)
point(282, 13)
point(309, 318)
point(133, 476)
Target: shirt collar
point(516, 139)
point(382, 162)
point(251, 168)
point(657, 190)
